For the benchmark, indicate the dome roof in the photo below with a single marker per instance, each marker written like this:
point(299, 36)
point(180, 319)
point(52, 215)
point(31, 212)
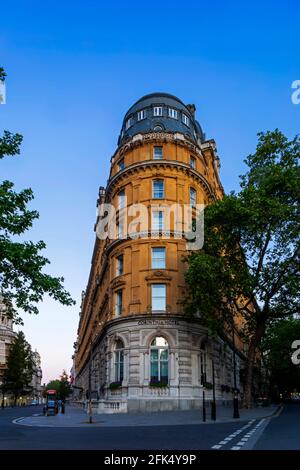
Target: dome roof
point(161, 112)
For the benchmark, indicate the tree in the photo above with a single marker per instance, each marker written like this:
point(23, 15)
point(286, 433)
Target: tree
point(61, 385)
point(18, 375)
point(22, 281)
point(249, 265)
point(277, 349)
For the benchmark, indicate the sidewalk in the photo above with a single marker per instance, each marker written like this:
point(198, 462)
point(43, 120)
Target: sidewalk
point(75, 417)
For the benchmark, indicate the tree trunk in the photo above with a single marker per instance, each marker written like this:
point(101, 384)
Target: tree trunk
point(254, 343)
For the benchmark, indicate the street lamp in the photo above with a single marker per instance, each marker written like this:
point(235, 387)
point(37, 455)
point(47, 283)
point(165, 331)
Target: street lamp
point(213, 405)
point(236, 413)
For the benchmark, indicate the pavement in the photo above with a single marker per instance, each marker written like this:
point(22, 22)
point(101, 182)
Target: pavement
point(77, 417)
point(180, 430)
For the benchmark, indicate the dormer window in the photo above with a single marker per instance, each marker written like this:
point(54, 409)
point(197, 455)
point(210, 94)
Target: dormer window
point(141, 115)
point(129, 123)
point(157, 111)
point(173, 113)
point(185, 120)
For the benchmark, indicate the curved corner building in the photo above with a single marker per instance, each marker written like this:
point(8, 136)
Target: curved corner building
point(136, 351)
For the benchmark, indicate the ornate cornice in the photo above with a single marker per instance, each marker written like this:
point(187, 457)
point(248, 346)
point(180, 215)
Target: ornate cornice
point(158, 164)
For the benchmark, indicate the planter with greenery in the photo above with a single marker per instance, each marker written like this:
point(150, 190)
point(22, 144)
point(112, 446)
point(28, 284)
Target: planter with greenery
point(158, 383)
point(115, 385)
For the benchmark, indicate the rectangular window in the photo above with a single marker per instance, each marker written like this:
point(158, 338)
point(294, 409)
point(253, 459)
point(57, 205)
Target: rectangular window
point(2, 352)
point(158, 220)
point(158, 297)
point(120, 229)
point(193, 162)
point(119, 265)
point(121, 164)
point(157, 153)
point(119, 303)
point(185, 119)
point(193, 197)
point(158, 189)
point(129, 123)
point(141, 115)
point(157, 111)
point(173, 113)
point(158, 258)
point(121, 199)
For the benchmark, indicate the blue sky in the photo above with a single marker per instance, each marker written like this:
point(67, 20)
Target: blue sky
point(74, 68)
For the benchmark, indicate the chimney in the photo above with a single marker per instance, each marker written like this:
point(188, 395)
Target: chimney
point(192, 109)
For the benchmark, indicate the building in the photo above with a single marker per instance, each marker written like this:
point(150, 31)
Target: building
point(36, 382)
point(7, 337)
point(136, 350)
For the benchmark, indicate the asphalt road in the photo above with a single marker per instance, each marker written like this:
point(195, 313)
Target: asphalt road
point(282, 432)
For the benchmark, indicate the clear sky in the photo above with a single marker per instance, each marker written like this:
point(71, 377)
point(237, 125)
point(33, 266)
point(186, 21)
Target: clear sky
point(75, 67)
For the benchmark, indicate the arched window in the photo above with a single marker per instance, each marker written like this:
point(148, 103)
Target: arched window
point(119, 361)
point(203, 363)
point(159, 361)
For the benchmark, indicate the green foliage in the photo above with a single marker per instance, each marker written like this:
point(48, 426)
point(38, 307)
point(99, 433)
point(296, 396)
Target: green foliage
point(61, 385)
point(18, 375)
point(2, 74)
point(10, 144)
point(114, 385)
point(22, 281)
point(249, 264)
point(284, 375)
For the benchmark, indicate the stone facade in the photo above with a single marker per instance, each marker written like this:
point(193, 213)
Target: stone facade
point(135, 348)
point(7, 336)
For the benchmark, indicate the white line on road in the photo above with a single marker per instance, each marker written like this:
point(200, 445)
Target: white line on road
point(235, 434)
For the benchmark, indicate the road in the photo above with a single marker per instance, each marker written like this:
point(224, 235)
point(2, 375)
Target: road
point(281, 432)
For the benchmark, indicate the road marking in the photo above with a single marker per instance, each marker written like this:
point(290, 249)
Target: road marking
point(247, 436)
point(243, 440)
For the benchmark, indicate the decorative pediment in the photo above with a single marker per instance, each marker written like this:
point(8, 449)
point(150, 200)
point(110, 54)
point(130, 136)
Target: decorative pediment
point(118, 282)
point(158, 275)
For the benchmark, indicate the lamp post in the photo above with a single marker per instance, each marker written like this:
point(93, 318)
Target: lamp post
point(236, 413)
point(90, 409)
point(213, 405)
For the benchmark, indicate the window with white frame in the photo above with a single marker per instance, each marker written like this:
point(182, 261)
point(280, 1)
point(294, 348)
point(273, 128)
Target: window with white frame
point(121, 199)
point(193, 197)
point(159, 361)
point(121, 164)
point(119, 265)
point(158, 221)
point(157, 153)
point(158, 301)
point(157, 111)
point(158, 189)
point(173, 113)
point(192, 162)
point(119, 361)
point(118, 302)
point(2, 352)
point(129, 123)
point(141, 115)
point(185, 119)
point(158, 258)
